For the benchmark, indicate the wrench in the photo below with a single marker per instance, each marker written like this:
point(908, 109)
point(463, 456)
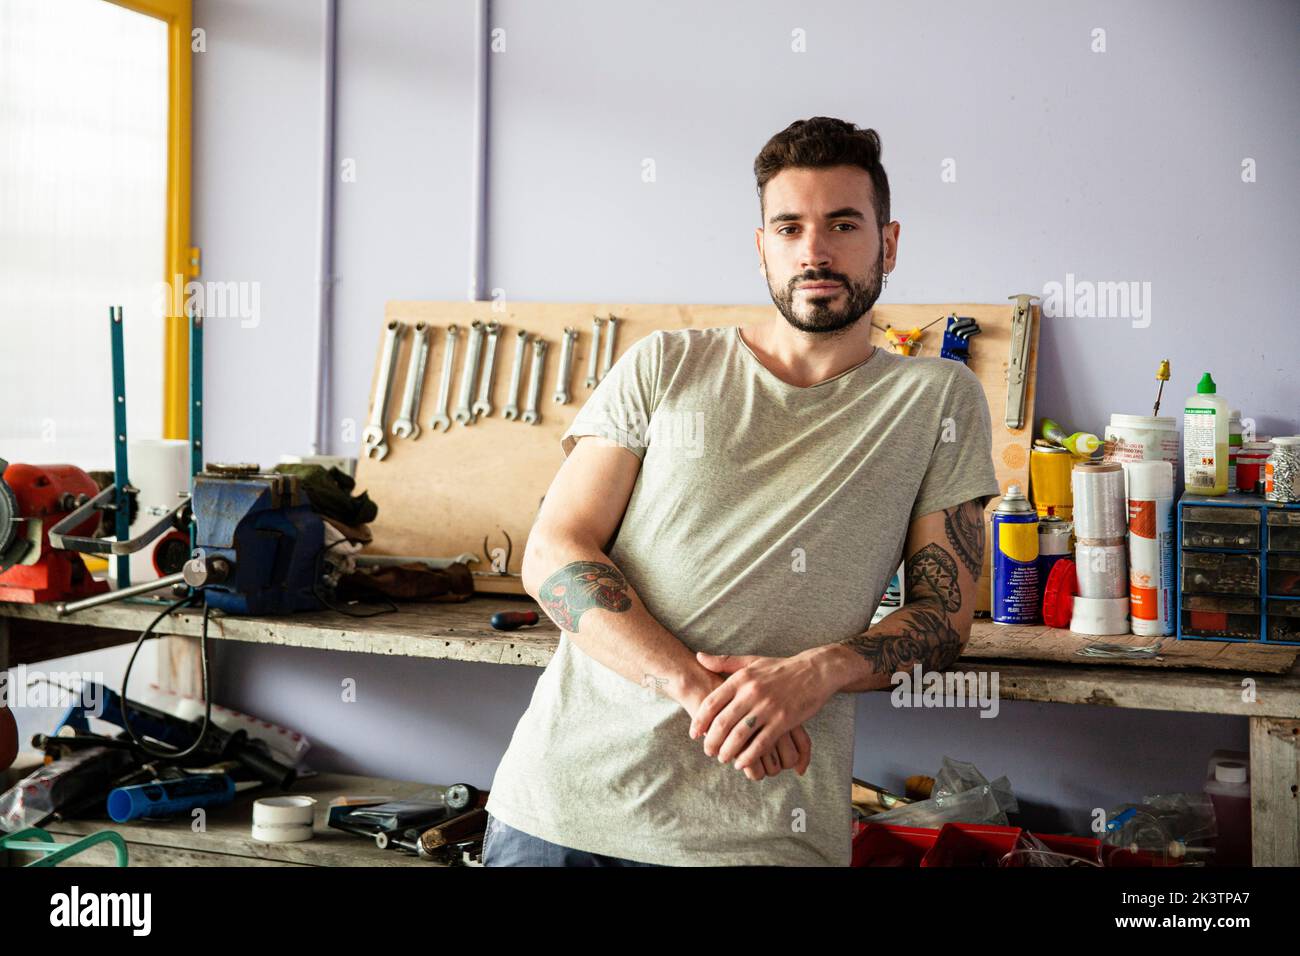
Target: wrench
point(607, 359)
point(463, 413)
point(440, 418)
point(372, 439)
point(406, 426)
point(516, 373)
point(484, 404)
point(531, 415)
point(566, 360)
point(596, 323)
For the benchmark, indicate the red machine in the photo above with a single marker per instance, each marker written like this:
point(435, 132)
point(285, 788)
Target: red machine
point(33, 498)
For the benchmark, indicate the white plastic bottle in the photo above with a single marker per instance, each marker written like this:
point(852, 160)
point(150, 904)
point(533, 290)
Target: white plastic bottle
point(1205, 441)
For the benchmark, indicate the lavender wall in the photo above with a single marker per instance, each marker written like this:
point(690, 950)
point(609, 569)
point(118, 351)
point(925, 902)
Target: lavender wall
point(1116, 166)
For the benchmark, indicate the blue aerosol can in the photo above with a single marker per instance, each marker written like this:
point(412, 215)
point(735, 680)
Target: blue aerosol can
point(1017, 593)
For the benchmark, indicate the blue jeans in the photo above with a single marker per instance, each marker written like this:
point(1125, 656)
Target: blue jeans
point(505, 846)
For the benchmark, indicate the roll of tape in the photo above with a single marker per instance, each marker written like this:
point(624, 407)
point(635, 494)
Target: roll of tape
point(289, 808)
point(1100, 616)
point(284, 819)
point(282, 832)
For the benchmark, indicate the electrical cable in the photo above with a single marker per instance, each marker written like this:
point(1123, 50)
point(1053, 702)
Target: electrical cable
point(207, 700)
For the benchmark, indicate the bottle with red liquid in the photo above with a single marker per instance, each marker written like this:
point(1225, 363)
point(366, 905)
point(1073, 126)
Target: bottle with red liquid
point(1227, 783)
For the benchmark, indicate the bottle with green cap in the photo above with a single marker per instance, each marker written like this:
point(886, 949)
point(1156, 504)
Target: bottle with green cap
point(1205, 440)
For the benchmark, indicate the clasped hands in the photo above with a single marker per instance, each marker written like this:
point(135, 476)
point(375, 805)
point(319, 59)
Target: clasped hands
point(755, 712)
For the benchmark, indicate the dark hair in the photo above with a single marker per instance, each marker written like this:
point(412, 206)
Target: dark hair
point(821, 142)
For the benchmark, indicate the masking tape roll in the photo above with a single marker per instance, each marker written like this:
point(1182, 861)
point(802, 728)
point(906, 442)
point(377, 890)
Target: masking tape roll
point(284, 819)
point(282, 832)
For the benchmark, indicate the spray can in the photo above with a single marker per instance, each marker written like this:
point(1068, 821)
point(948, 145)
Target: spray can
point(1053, 544)
point(1151, 546)
point(1017, 595)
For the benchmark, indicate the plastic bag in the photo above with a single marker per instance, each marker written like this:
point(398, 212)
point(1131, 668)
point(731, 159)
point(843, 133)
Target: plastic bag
point(35, 798)
point(1031, 851)
point(1174, 827)
point(961, 795)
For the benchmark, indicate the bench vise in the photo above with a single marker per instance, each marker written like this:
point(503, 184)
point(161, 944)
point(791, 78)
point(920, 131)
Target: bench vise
point(258, 544)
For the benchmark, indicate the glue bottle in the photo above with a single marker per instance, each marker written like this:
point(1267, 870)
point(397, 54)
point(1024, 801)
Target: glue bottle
point(1082, 444)
point(1205, 441)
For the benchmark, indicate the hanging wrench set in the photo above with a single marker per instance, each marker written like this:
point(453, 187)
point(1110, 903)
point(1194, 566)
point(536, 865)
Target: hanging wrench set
point(474, 390)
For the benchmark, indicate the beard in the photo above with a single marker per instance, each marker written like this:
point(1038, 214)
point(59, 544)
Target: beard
point(822, 316)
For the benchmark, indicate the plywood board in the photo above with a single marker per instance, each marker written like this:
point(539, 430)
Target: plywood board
point(441, 493)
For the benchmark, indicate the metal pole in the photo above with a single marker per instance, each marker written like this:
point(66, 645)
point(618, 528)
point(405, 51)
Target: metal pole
point(122, 516)
point(321, 377)
point(108, 597)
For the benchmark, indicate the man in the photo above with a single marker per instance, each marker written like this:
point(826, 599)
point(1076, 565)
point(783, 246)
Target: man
point(714, 551)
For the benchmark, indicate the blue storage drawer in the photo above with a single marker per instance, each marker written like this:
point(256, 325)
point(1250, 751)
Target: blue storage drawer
point(1239, 570)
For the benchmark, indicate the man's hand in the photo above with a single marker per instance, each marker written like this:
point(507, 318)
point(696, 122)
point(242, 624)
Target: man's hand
point(792, 751)
point(762, 701)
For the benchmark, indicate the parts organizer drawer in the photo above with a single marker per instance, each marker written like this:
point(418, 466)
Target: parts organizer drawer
point(1284, 575)
point(1284, 621)
point(1207, 527)
point(1238, 569)
point(1210, 572)
point(1212, 616)
point(1284, 531)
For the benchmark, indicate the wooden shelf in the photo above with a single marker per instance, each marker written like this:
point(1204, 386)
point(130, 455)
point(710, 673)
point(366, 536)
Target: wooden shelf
point(1186, 682)
point(461, 632)
point(227, 839)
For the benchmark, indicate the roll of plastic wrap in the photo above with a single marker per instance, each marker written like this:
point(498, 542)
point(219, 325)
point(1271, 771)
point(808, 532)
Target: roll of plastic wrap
point(1098, 491)
point(1151, 546)
point(1101, 569)
point(1099, 616)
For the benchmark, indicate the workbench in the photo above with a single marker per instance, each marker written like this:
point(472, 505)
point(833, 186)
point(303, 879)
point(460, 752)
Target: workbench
point(460, 631)
point(226, 839)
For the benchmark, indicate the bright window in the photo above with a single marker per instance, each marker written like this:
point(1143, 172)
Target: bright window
point(83, 196)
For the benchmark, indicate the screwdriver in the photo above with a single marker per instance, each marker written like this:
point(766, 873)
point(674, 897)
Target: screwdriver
point(511, 620)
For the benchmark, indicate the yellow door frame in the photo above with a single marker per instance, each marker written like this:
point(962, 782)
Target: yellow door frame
point(181, 260)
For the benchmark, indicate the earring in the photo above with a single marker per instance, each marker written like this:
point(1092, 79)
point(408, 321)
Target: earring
point(885, 281)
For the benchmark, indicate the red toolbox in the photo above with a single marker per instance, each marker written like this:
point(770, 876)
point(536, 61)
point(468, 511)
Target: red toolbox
point(974, 844)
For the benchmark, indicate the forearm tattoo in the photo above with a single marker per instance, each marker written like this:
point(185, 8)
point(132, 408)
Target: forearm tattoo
point(580, 586)
point(964, 526)
point(922, 632)
point(932, 571)
point(927, 638)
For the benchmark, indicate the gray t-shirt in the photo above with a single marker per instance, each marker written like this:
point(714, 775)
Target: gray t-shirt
point(766, 519)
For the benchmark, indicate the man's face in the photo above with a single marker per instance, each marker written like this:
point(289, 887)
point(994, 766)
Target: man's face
point(821, 250)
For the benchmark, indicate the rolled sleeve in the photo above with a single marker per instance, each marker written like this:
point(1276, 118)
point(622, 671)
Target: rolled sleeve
point(622, 404)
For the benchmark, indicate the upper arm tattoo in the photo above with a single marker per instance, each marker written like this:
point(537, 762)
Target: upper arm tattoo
point(932, 569)
point(964, 526)
point(580, 586)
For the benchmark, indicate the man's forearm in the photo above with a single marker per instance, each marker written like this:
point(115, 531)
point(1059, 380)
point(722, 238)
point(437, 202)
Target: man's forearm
point(587, 596)
point(932, 628)
point(918, 633)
